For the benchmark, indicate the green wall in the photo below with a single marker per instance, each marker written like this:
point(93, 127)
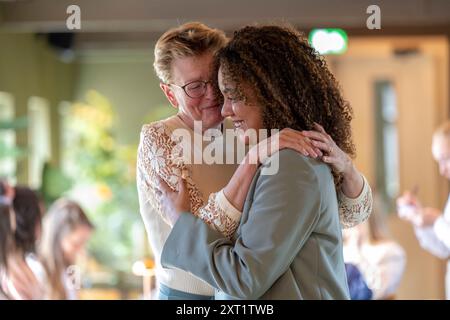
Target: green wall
point(29, 67)
point(127, 79)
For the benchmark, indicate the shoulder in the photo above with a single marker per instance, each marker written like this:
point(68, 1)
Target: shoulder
point(155, 135)
point(292, 165)
point(152, 129)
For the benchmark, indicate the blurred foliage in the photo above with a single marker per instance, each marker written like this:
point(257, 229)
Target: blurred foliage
point(103, 172)
point(54, 183)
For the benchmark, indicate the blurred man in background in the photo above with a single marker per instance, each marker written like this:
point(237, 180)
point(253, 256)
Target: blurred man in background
point(431, 225)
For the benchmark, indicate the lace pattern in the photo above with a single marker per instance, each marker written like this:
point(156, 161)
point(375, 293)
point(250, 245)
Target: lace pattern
point(160, 155)
point(355, 211)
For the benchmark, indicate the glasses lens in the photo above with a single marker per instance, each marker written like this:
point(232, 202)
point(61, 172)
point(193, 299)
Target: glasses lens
point(195, 89)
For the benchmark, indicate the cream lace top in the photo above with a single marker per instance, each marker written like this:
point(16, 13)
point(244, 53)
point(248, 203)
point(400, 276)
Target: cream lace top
point(160, 154)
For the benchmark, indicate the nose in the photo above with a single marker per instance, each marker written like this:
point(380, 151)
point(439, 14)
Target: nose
point(211, 91)
point(227, 110)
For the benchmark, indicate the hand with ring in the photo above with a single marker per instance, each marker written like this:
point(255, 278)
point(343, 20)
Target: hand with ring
point(334, 155)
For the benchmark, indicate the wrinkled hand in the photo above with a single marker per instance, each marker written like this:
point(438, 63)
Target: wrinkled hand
point(173, 203)
point(284, 139)
point(333, 155)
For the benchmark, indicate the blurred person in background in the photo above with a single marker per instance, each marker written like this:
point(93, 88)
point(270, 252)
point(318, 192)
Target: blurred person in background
point(380, 259)
point(357, 285)
point(20, 227)
point(431, 225)
point(66, 231)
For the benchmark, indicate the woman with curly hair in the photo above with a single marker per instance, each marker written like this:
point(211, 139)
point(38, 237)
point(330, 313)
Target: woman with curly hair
point(288, 244)
point(185, 65)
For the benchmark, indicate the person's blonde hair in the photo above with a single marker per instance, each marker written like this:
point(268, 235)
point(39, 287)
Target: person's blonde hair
point(188, 40)
point(63, 217)
point(443, 131)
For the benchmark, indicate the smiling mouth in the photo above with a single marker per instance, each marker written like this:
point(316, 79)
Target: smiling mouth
point(238, 124)
point(212, 107)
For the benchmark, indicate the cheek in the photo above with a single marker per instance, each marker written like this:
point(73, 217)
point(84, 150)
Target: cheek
point(240, 110)
point(256, 118)
point(193, 106)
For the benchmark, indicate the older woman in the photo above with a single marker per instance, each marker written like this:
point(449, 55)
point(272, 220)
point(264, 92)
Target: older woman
point(288, 244)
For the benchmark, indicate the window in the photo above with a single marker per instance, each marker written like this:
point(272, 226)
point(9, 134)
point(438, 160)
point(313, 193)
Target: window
point(38, 139)
point(8, 150)
point(387, 177)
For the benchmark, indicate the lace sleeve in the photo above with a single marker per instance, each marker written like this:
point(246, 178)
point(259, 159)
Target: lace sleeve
point(220, 214)
point(355, 211)
point(150, 163)
point(159, 155)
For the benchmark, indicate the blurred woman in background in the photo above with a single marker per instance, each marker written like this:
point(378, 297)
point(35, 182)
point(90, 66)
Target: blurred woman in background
point(20, 227)
point(66, 231)
point(380, 259)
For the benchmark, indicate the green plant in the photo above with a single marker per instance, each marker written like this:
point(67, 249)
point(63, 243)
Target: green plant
point(103, 172)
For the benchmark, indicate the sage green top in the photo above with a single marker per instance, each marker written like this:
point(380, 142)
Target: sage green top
point(288, 244)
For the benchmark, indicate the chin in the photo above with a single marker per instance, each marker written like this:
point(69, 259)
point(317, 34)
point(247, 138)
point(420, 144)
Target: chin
point(211, 122)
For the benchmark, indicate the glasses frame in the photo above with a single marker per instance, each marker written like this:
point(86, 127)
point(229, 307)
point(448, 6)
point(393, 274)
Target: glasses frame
point(205, 83)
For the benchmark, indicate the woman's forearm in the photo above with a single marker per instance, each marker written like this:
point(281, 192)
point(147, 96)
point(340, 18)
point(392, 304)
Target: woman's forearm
point(353, 182)
point(236, 190)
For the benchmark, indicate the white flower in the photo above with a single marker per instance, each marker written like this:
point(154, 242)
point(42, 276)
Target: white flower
point(157, 160)
point(173, 180)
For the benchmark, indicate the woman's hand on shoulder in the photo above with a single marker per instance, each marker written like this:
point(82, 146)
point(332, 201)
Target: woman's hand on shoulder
point(332, 154)
point(284, 139)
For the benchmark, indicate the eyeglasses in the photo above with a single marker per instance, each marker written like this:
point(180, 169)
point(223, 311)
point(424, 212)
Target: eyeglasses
point(196, 89)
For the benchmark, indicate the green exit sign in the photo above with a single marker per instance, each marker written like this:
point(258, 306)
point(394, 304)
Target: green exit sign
point(329, 41)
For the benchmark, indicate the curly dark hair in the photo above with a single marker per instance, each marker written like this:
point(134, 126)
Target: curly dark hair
point(289, 80)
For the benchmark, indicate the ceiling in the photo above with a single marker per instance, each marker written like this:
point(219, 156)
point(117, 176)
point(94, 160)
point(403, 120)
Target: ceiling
point(134, 21)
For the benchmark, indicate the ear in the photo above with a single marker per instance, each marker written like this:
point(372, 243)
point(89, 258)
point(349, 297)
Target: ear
point(169, 94)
